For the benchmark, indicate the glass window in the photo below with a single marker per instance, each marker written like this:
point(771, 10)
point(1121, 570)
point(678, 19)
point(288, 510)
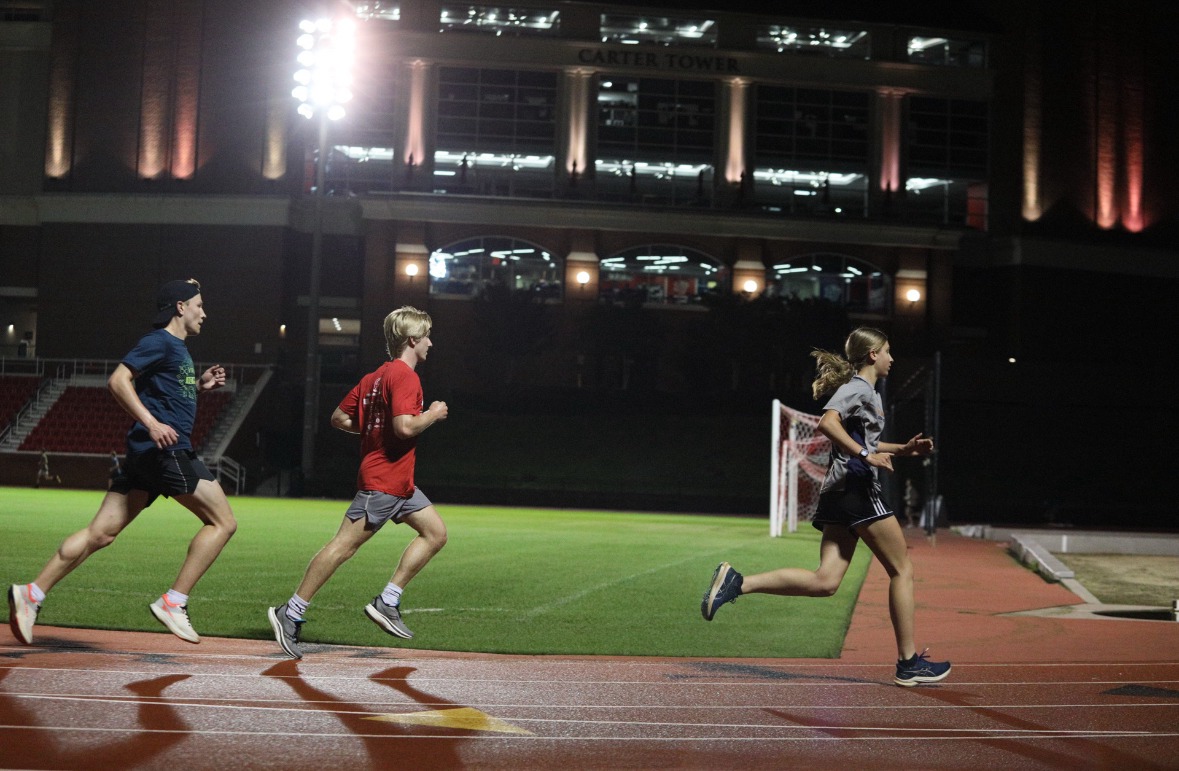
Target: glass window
point(476, 267)
point(378, 9)
point(496, 111)
point(495, 20)
point(655, 140)
point(812, 128)
point(815, 41)
point(837, 278)
point(811, 151)
point(652, 119)
point(948, 161)
point(946, 52)
point(662, 274)
point(659, 30)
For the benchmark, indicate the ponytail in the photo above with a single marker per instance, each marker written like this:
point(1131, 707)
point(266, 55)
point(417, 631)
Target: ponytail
point(835, 370)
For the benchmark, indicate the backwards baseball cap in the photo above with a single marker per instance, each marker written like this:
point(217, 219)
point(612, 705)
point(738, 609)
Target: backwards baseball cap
point(170, 294)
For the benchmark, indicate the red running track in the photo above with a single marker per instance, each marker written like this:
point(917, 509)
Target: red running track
point(1025, 693)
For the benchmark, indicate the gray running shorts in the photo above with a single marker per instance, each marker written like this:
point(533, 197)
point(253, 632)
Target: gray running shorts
point(378, 508)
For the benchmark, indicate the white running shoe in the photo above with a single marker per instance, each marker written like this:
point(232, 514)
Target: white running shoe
point(175, 617)
point(22, 613)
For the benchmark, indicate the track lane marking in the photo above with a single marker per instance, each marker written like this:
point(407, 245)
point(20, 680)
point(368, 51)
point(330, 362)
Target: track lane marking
point(642, 723)
point(995, 734)
point(199, 701)
point(801, 682)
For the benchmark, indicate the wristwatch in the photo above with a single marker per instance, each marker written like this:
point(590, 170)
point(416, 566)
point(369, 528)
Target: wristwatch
point(864, 453)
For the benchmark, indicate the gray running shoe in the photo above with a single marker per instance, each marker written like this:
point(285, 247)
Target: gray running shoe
point(22, 612)
point(725, 587)
point(286, 630)
point(387, 617)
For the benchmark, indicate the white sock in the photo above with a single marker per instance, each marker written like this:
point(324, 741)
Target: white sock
point(296, 607)
point(392, 595)
point(35, 594)
point(176, 598)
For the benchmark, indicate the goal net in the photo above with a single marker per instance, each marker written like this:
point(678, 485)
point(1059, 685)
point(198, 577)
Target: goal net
point(799, 459)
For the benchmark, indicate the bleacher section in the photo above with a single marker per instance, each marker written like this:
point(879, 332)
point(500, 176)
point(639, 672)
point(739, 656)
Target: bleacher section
point(89, 420)
point(15, 390)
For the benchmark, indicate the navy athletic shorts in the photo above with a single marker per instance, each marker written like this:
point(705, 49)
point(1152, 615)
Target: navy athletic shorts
point(858, 503)
point(161, 472)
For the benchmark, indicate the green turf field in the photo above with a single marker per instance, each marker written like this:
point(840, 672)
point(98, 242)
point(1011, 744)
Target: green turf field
point(509, 580)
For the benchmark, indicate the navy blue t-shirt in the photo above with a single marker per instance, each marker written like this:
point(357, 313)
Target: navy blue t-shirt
point(166, 383)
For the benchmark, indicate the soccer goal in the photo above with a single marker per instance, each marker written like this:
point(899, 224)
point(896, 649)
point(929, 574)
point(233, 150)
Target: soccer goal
point(799, 455)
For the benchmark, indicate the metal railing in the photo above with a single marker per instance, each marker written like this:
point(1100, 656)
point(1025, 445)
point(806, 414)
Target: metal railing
point(28, 407)
point(229, 469)
point(69, 368)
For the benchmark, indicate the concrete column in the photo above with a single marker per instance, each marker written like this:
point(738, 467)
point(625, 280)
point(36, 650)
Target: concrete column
point(377, 299)
point(887, 184)
point(735, 160)
point(576, 116)
point(582, 263)
point(417, 154)
point(749, 268)
point(411, 271)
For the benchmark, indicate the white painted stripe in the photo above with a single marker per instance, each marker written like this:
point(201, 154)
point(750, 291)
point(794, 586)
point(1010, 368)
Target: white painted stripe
point(802, 682)
point(209, 701)
point(174, 702)
point(997, 733)
point(342, 654)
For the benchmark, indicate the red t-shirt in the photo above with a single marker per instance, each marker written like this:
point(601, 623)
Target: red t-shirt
point(386, 463)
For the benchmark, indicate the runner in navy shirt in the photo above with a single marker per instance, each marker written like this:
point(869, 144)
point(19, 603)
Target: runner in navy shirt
point(157, 385)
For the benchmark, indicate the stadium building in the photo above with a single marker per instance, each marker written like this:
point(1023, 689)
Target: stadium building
point(948, 175)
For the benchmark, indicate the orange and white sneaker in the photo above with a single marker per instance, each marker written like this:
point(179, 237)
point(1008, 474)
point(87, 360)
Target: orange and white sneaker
point(22, 613)
point(175, 617)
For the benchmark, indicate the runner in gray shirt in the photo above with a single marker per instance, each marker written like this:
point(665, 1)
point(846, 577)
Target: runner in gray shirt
point(850, 507)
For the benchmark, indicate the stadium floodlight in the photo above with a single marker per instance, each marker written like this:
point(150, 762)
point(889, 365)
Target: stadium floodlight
point(324, 76)
point(323, 81)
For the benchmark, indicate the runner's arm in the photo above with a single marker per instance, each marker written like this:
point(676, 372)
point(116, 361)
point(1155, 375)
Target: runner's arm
point(122, 386)
point(831, 426)
point(409, 426)
point(343, 421)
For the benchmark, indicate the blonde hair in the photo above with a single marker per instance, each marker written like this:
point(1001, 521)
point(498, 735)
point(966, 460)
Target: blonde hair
point(402, 325)
point(835, 370)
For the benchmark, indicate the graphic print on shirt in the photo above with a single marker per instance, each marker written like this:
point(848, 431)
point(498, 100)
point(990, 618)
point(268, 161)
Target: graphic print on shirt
point(186, 376)
point(373, 405)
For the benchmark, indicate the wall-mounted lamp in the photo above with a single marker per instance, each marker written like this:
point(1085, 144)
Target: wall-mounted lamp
point(582, 278)
point(751, 286)
point(913, 295)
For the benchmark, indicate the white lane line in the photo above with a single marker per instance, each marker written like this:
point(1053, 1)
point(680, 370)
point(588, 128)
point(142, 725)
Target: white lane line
point(679, 682)
point(579, 721)
point(997, 733)
point(548, 606)
point(345, 654)
point(211, 701)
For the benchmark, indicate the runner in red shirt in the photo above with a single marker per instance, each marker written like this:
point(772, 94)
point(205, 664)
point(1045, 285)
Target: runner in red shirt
point(385, 408)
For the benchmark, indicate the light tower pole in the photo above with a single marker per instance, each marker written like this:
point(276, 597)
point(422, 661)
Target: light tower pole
point(324, 81)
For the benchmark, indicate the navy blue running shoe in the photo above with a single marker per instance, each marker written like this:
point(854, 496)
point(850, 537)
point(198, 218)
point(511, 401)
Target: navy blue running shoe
point(725, 587)
point(920, 669)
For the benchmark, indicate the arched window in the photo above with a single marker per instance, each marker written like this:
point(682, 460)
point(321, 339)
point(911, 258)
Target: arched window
point(661, 274)
point(475, 266)
point(841, 279)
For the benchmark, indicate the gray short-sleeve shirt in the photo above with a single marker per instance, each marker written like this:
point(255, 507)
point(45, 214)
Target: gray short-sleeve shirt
point(862, 413)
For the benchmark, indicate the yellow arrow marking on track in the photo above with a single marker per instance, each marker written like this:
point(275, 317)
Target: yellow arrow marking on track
point(467, 718)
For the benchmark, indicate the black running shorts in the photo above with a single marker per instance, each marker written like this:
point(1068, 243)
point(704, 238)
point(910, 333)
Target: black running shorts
point(161, 472)
point(858, 503)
